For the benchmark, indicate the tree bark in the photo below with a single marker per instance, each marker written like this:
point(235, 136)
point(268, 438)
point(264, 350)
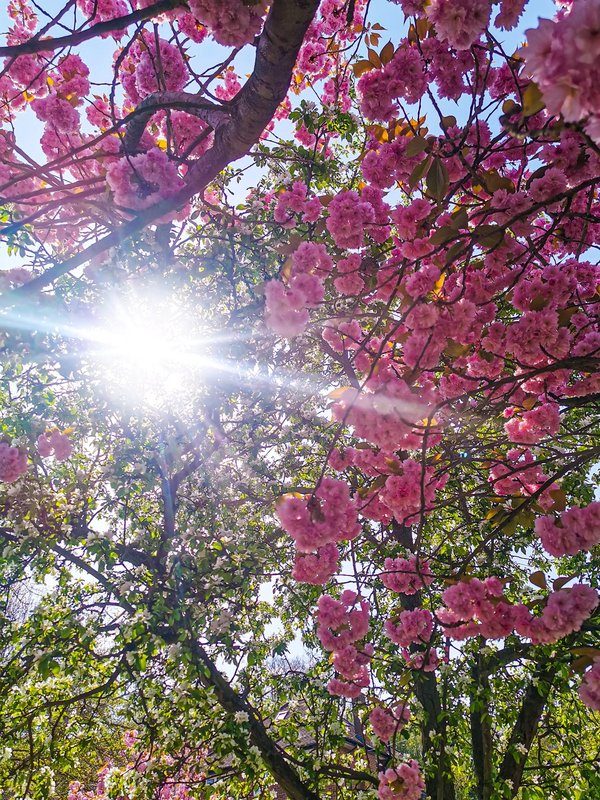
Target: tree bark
point(38, 45)
point(481, 735)
point(249, 114)
point(525, 728)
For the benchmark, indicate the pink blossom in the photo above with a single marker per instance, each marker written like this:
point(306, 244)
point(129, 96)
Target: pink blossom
point(589, 691)
point(562, 57)
point(401, 783)
point(410, 492)
point(316, 568)
point(476, 607)
point(386, 722)
point(576, 529)
point(189, 26)
point(460, 22)
point(295, 201)
point(534, 425)
point(286, 308)
point(13, 463)
point(142, 180)
point(102, 10)
point(406, 575)
point(58, 113)
point(230, 86)
point(231, 22)
point(159, 67)
point(348, 216)
point(54, 443)
point(343, 624)
point(410, 627)
point(403, 76)
point(565, 612)
point(328, 516)
point(510, 11)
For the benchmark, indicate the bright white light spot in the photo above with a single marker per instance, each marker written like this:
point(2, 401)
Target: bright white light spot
point(149, 350)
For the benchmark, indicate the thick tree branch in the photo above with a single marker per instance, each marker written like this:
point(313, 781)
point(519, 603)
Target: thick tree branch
point(285, 775)
point(525, 728)
point(481, 734)
point(190, 103)
point(35, 45)
point(251, 111)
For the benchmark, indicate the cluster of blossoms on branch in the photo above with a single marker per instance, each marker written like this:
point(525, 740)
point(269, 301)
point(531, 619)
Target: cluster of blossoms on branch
point(343, 625)
point(13, 460)
point(448, 277)
point(575, 530)
point(477, 607)
point(404, 782)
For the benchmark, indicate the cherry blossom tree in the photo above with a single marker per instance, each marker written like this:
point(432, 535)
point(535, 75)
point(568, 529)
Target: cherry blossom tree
point(300, 357)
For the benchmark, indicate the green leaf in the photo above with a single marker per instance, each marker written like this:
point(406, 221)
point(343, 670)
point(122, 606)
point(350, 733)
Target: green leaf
point(416, 145)
point(437, 179)
point(419, 172)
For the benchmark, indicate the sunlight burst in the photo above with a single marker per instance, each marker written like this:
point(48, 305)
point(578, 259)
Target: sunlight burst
point(149, 349)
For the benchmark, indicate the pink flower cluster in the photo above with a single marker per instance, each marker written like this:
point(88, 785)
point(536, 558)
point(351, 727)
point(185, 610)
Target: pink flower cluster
point(317, 524)
point(286, 311)
point(467, 601)
point(563, 57)
point(403, 76)
point(286, 307)
point(387, 723)
point(460, 22)
point(534, 425)
point(342, 625)
point(54, 443)
point(148, 68)
point(410, 627)
point(102, 10)
point(401, 783)
point(348, 217)
point(564, 613)
point(233, 23)
point(230, 86)
point(387, 411)
point(140, 181)
point(13, 463)
point(160, 66)
point(329, 515)
point(69, 85)
point(406, 575)
point(521, 475)
point(478, 608)
point(59, 114)
point(577, 529)
point(589, 691)
point(317, 567)
point(402, 492)
point(295, 200)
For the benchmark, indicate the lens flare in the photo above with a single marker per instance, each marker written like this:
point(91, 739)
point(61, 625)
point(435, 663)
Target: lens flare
point(148, 349)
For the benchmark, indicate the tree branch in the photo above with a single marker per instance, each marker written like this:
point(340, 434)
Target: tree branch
point(185, 101)
point(525, 728)
point(481, 734)
point(285, 775)
point(36, 45)
point(251, 111)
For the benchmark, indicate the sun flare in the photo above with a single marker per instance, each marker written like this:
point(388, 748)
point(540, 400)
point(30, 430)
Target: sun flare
point(149, 349)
